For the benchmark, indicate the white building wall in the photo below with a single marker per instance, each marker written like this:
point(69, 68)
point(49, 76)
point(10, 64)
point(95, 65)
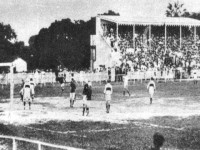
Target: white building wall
point(20, 65)
point(103, 50)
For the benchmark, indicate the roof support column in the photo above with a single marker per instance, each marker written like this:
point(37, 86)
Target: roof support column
point(134, 37)
point(165, 38)
point(117, 32)
point(150, 37)
point(195, 35)
point(180, 37)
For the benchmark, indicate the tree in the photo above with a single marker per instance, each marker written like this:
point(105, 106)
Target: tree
point(7, 34)
point(110, 13)
point(175, 10)
point(64, 43)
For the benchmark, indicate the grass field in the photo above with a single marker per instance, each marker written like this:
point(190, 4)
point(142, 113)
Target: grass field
point(130, 125)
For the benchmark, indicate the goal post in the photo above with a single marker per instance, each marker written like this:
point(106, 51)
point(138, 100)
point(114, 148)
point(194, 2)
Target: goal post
point(11, 67)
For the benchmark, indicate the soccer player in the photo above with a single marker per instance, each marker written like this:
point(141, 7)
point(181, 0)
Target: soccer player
point(32, 84)
point(27, 92)
point(72, 92)
point(151, 87)
point(62, 83)
point(108, 90)
point(195, 77)
point(90, 90)
point(126, 85)
point(85, 99)
point(21, 91)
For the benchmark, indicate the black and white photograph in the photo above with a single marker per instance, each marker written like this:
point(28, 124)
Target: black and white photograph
point(99, 74)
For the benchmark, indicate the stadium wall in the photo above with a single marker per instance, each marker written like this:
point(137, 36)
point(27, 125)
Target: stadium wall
point(103, 50)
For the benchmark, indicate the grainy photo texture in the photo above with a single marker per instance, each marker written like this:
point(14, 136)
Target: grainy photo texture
point(99, 75)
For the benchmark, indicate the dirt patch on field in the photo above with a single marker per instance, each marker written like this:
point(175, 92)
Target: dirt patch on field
point(57, 108)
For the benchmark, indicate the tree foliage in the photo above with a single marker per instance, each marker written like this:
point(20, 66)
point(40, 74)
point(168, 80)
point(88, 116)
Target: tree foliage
point(110, 13)
point(64, 43)
point(175, 10)
point(7, 35)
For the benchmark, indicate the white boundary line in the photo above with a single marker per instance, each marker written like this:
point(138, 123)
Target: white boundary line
point(138, 124)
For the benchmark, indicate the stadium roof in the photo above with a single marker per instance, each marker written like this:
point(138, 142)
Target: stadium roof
point(170, 21)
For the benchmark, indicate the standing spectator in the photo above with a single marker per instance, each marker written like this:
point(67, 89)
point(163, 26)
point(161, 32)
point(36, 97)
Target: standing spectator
point(158, 141)
point(36, 76)
point(120, 76)
point(108, 90)
point(72, 92)
point(116, 74)
point(109, 73)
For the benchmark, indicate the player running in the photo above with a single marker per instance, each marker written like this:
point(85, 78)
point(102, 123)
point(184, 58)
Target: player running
point(108, 90)
point(151, 87)
point(72, 92)
point(85, 99)
point(62, 83)
point(126, 85)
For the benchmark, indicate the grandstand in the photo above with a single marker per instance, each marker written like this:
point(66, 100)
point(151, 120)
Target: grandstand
point(146, 43)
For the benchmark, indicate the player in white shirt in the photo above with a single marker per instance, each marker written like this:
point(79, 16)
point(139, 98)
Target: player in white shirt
point(195, 77)
point(27, 92)
point(32, 84)
point(126, 78)
point(151, 87)
point(108, 90)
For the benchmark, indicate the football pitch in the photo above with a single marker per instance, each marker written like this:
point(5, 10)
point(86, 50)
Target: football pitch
point(130, 125)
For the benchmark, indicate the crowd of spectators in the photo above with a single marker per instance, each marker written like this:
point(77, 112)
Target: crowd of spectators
point(146, 54)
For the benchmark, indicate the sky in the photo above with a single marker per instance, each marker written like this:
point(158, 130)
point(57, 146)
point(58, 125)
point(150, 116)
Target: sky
point(27, 17)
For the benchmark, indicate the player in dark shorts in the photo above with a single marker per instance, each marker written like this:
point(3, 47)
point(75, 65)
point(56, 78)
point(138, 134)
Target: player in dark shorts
point(85, 99)
point(27, 92)
point(72, 92)
point(89, 90)
point(151, 88)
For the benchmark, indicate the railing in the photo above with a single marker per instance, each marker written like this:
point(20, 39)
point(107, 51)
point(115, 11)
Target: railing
point(51, 78)
point(95, 77)
point(40, 144)
point(140, 75)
